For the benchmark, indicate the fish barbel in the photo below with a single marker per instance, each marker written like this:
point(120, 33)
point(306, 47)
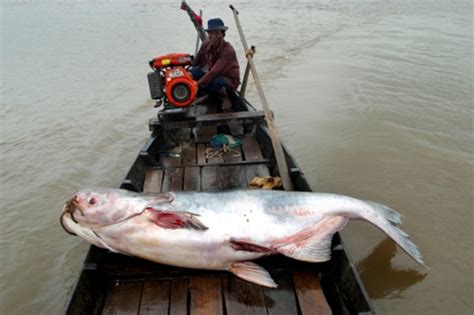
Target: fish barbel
point(223, 230)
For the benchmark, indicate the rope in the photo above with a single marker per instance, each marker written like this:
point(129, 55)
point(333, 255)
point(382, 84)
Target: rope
point(215, 152)
point(250, 52)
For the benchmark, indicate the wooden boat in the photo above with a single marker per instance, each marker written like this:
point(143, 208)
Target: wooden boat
point(177, 157)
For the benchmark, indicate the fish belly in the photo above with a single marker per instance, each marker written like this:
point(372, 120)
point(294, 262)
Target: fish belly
point(178, 247)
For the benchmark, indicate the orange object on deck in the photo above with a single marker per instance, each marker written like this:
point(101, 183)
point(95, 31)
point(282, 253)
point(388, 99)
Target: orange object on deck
point(171, 79)
point(180, 87)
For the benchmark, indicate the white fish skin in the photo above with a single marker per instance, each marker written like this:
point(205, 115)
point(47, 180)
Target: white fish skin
point(223, 230)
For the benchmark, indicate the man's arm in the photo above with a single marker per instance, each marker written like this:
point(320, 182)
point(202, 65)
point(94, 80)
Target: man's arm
point(220, 68)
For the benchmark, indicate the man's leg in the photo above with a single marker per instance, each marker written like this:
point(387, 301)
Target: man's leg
point(226, 103)
point(220, 87)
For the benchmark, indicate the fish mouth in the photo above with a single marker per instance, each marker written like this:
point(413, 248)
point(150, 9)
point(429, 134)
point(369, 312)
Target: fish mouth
point(69, 208)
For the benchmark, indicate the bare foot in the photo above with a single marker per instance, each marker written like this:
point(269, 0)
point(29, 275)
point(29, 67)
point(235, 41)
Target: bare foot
point(226, 104)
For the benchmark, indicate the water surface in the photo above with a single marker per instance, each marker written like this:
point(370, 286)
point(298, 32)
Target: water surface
point(373, 98)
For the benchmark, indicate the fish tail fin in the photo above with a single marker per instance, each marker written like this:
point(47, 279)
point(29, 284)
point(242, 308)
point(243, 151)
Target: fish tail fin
point(388, 220)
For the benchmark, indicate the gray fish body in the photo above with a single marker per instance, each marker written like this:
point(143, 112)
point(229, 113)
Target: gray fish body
point(224, 230)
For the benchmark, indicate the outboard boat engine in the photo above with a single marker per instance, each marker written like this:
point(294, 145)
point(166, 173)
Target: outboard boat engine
point(170, 81)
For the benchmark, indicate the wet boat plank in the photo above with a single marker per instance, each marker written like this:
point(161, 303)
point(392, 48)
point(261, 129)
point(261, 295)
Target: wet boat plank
point(153, 180)
point(204, 133)
point(155, 298)
point(171, 161)
point(242, 297)
point(124, 298)
point(232, 177)
point(188, 152)
point(251, 148)
point(173, 180)
point(210, 178)
point(281, 301)
point(201, 153)
point(310, 295)
point(179, 296)
point(192, 179)
point(206, 296)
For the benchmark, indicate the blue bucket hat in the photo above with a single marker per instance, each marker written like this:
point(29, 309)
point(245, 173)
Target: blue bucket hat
point(216, 25)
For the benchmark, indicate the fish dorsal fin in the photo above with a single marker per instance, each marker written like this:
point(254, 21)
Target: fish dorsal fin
point(253, 273)
point(314, 244)
point(174, 219)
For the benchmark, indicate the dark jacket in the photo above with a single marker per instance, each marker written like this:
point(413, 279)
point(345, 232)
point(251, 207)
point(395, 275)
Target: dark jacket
point(222, 62)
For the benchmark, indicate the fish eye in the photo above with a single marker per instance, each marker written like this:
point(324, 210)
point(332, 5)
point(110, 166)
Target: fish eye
point(93, 201)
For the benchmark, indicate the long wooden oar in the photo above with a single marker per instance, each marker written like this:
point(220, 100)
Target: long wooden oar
point(277, 147)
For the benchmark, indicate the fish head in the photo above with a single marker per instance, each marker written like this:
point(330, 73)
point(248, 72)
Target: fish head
point(98, 207)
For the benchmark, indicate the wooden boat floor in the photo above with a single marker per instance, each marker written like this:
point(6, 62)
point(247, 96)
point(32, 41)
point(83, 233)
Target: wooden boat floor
point(137, 286)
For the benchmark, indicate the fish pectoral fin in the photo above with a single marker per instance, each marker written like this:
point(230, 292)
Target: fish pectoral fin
point(252, 273)
point(317, 246)
point(104, 244)
point(175, 219)
point(242, 245)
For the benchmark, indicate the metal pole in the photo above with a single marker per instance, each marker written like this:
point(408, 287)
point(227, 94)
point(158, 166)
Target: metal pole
point(277, 147)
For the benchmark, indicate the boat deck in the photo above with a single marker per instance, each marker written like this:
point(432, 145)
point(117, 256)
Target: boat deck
point(215, 292)
point(193, 165)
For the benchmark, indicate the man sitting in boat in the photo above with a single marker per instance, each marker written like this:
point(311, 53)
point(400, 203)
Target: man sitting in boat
point(215, 66)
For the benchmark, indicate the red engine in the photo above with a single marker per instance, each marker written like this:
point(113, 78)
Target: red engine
point(171, 81)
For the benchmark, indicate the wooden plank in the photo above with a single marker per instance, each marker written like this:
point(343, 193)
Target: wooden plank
point(188, 152)
point(201, 153)
point(236, 128)
point(242, 297)
point(173, 179)
point(153, 181)
point(281, 301)
point(155, 298)
point(220, 117)
point(203, 134)
point(202, 109)
point(170, 161)
point(251, 148)
point(90, 290)
point(182, 134)
point(206, 296)
point(191, 112)
point(179, 296)
point(224, 177)
point(310, 295)
point(123, 298)
point(192, 179)
point(232, 177)
point(242, 163)
point(210, 178)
